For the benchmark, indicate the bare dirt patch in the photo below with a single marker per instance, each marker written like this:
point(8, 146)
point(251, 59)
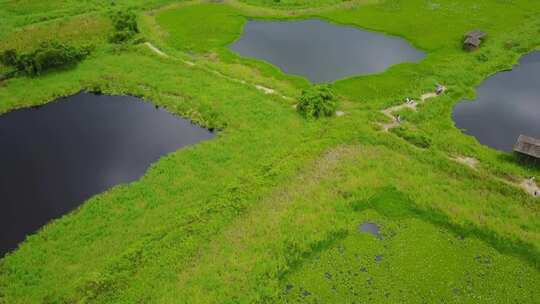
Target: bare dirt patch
point(467, 161)
point(530, 186)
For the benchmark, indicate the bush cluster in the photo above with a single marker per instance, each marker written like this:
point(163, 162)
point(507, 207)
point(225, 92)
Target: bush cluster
point(414, 137)
point(317, 101)
point(125, 26)
point(47, 55)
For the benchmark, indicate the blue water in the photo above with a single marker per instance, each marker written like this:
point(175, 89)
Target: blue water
point(322, 51)
point(54, 157)
point(507, 105)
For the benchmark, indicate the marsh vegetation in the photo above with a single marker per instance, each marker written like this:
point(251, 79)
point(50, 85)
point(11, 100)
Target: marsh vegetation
point(269, 210)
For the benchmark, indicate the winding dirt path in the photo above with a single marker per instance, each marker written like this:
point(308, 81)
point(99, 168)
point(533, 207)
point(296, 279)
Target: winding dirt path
point(467, 161)
point(529, 185)
point(410, 104)
point(395, 119)
point(261, 88)
point(156, 50)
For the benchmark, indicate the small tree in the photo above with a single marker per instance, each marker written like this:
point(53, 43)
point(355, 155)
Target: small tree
point(317, 101)
point(125, 26)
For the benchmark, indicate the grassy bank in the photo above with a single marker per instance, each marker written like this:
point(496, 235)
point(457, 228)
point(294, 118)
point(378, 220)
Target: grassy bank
point(268, 212)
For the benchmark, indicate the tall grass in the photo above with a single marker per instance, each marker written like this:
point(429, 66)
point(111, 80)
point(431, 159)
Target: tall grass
point(236, 219)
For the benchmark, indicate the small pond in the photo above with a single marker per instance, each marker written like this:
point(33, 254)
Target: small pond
point(370, 228)
point(322, 51)
point(507, 105)
point(56, 156)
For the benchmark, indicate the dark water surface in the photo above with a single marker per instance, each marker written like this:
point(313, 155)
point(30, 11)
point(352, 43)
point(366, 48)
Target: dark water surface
point(370, 228)
point(507, 105)
point(55, 157)
point(322, 51)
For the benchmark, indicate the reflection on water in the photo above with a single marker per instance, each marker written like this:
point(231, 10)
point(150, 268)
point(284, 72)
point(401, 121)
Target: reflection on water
point(507, 105)
point(322, 51)
point(58, 155)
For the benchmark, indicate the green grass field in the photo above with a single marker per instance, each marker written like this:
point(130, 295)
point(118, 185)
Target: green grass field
point(268, 211)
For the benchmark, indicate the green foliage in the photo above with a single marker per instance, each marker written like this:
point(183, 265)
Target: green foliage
point(483, 57)
point(413, 261)
point(124, 26)
point(393, 203)
point(317, 101)
point(17, 13)
point(234, 220)
point(415, 137)
point(387, 201)
point(9, 57)
point(48, 55)
point(121, 36)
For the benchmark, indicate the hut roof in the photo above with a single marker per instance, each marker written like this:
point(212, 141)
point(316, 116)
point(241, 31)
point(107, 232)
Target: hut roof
point(476, 34)
point(474, 41)
point(528, 145)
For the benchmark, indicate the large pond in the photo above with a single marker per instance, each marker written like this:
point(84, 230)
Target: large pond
point(55, 157)
point(507, 105)
point(322, 51)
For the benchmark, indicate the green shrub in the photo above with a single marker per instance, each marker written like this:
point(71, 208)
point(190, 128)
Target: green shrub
point(483, 57)
point(9, 58)
point(125, 26)
point(412, 136)
point(120, 37)
point(48, 55)
point(317, 101)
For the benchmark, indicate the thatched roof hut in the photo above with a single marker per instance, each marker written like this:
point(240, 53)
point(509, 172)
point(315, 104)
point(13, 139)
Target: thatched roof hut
point(473, 39)
point(476, 33)
point(528, 146)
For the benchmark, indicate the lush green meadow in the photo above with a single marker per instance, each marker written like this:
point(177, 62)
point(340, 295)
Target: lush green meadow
point(293, 3)
point(269, 211)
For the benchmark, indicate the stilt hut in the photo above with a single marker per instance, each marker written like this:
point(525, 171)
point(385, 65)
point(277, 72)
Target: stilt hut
point(528, 148)
point(473, 39)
